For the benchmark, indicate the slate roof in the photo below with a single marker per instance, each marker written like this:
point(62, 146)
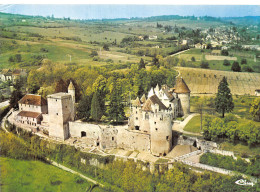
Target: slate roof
point(29, 114)
point(31, 99)
point(152, 101)
point(181, 86)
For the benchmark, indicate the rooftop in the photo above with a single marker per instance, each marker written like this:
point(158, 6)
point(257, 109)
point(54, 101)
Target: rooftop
point(181, 86)
point(29, 114)
point(152, 101)
point(31, 99)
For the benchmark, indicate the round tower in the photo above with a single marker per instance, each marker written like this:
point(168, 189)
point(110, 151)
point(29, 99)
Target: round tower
point(71, 91)
point(161, 133)
point(183, 93)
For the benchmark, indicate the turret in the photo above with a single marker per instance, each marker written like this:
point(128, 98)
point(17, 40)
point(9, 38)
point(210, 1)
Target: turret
point(183, 93)
point(71, 91)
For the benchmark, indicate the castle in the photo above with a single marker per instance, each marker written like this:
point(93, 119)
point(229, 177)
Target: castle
point(149, 125)
point(155, 114)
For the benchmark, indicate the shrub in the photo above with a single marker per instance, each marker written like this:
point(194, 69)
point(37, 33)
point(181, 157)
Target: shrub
point(204, 65)
point(226, 62)
point(236, 67)
point(243, 61)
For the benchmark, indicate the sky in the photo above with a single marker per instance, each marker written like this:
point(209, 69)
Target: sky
point(91, 11)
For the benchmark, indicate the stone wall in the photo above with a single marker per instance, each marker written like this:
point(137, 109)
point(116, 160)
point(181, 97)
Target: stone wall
point(133, 140)
point(200, 144)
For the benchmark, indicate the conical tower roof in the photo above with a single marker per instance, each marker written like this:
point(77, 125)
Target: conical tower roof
point(71, 86)
point(181, 86)
point(143, 98)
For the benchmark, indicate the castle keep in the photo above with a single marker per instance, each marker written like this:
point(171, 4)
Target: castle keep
point(149, 125)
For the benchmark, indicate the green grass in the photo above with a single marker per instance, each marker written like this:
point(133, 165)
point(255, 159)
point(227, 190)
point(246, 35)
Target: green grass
point(21, 175)
point(240, 149)
point(193, 125)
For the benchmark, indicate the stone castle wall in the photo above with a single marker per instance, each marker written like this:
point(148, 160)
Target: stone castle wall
point(133, 140)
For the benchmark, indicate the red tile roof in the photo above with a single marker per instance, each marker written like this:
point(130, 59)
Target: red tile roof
point(33, 100)
point(29, 114)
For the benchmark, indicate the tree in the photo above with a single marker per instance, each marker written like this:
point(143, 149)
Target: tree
point(106, 47)
point(226, 62)
point(83, 108)
point(16, 95)
point(255, 109)
point(96, 111)
point(224, 52)
point(61, 86)
point(141, 64)
point(93, 53)
point(224, 101)
point(247, 69)
point(155, 61)
point(18, 58)
point(204, 65)
point(236, 67)
point(116, 108)
point(243, 61)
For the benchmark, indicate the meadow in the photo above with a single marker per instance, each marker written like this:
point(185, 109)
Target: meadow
point(23, 175)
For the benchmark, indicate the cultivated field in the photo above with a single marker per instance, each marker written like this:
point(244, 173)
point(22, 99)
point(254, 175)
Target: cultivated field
point(205, 81)
point(219, 58)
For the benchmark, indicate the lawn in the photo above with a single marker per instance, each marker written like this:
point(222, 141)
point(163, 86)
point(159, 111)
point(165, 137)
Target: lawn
point(21, 175)
point(193, 125)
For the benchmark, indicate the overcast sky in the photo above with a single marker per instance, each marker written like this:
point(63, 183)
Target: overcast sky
point(127, 11)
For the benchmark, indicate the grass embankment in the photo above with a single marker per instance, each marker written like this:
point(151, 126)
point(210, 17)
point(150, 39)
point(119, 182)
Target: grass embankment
point(22, 175)
point(193, 125)
point(227, 162)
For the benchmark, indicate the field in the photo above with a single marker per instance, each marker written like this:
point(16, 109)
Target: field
point(205, 81)
point(216, 61)
point(20, 175)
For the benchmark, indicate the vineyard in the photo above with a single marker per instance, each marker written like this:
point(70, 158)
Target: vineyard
point(205, 81)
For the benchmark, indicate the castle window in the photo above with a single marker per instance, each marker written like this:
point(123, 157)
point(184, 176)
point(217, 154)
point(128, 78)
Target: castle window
point(136, 118)
point(156, 129)
point(155, 123)
point(137, 128)
point(56, 100)
point(170, 105)
point(113, 138)
point(136, 112)
point(146, 116)
point(167, 138)
point(57, 114)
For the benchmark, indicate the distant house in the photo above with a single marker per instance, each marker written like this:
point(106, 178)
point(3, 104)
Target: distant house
point(6, 75)
point(186, 41)
point(257, 92)
point(141, 38)
point(9, 75)
point(152, 37)
point(224, 48)
point(200, 46)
